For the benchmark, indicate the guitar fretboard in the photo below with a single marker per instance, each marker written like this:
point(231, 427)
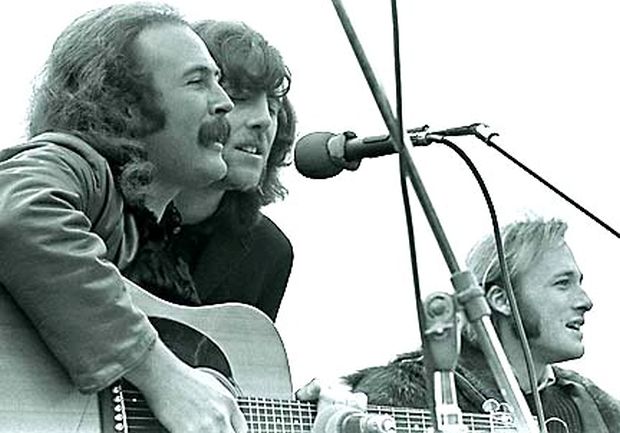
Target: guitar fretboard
point(265, 415)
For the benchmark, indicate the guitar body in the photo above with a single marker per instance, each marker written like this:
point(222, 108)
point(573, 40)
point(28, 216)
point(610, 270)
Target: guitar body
point(36, 395)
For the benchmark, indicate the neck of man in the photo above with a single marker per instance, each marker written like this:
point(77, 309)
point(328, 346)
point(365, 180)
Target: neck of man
point(514, 352)
point(158, 196)
point(197, 205)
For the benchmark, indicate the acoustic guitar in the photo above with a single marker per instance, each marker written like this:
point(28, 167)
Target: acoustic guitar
point(36, 395)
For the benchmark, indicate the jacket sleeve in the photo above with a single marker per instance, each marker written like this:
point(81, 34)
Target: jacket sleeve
point(58, 269)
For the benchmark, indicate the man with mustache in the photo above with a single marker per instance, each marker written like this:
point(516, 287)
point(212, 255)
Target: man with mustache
point(213, 244)
point(547, 284)
point(128, 112)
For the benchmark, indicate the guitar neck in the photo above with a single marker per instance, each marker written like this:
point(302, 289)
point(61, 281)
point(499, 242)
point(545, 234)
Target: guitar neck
point(267, 415)
point(290, 416)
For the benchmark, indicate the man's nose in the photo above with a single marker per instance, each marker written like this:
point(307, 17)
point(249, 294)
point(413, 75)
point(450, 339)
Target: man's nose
point(260, 116)
point(220, 102)
point(583, 301)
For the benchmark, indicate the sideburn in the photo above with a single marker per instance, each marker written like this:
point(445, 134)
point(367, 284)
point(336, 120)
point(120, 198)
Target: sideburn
point(530, 318)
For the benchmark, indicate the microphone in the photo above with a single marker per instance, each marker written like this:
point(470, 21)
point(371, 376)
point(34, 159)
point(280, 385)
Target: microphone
point(321, 155)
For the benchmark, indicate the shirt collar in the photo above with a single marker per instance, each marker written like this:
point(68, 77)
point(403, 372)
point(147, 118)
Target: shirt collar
point(547, 379)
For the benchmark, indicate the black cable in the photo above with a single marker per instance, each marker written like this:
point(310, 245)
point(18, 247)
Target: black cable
point(430, 401)
point(396, 132)
point(490, 143)
point(507, 283)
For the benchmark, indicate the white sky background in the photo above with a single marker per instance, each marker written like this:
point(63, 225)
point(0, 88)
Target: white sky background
point(542, 74)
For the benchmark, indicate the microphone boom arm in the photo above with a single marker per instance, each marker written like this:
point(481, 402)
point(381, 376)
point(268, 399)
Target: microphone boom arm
point(468, 290)
point(488, 139)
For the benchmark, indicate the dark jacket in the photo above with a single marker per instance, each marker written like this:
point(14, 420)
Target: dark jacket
point(252, 268)
point(212, 262)
point(63, 235)
point(402, 383)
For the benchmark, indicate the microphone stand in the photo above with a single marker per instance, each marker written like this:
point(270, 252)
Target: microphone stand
point(442, 343)
point(468, 291)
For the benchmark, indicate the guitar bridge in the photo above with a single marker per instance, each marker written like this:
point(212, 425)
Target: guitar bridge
point(113, 410)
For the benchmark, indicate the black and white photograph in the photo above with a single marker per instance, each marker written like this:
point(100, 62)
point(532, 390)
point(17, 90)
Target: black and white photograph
point(295, 216)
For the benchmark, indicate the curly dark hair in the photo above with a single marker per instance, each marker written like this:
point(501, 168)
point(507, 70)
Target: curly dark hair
point(94, 87)
point(250, 63)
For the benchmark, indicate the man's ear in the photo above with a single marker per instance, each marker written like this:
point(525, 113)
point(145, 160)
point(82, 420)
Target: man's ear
point(498, 300)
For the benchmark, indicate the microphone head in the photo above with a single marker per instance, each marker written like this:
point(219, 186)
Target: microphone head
point(312, 158)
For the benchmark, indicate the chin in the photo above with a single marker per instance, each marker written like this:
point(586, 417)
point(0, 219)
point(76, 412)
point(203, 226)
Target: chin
point(568, 354)
point(238, 183)
point(240, 186)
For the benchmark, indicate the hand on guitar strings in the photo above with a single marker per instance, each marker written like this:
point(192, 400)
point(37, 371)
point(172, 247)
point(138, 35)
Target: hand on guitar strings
point(185, 399)
point(328, 392)
point(341, 411)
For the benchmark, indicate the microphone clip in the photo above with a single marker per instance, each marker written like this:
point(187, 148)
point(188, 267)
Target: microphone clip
point(337, 151)
point(442, 346)
point(424, 137)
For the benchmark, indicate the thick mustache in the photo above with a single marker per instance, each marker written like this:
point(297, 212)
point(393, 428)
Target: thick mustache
point(214, 131)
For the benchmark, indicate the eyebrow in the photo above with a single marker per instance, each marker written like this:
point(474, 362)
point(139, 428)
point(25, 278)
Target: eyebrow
point(202, 69)
point(577, 274)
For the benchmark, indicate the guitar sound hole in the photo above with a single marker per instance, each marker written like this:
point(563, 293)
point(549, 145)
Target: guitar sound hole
point(191, 346)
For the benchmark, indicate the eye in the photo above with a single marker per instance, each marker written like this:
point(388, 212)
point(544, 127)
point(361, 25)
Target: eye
point(237, 95)
point(562, 283)
point(197, 81)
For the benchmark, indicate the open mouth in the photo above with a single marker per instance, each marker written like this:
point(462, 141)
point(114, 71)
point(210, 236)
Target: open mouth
point(252, 150)
point(575, 324)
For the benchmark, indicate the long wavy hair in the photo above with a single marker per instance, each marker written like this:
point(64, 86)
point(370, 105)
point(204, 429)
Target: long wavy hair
point(93, 86)
point(250, 64)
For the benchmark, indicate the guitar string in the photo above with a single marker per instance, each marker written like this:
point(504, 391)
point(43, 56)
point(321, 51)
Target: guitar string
point(271, 422)
point(298, 405)
point(414, 416)
point(279, 424)
point(292, 416)
point(269, 404)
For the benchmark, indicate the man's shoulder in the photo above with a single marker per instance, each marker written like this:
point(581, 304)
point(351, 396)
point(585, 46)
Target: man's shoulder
point(565, 375)
point(267, 233)
point(66, 147)
point(608, 405)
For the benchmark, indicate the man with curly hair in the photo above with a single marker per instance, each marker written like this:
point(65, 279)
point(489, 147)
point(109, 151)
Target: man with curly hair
point(547, 285)
point(214, 245)
point(128, 112)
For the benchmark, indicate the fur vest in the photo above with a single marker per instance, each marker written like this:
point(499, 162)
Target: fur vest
point(402, 383)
